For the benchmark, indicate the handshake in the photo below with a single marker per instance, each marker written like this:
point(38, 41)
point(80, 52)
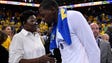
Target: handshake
point(47, 59)
point(43, 59)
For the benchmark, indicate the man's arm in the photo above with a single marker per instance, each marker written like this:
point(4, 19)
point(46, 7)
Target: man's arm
point(83, 31)
point(109, 53)
point(16, 53)
point(43, 59)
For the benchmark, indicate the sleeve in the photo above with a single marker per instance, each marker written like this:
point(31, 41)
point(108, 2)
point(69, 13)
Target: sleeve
point(16, 50)
point(7, 43)
point(83, 31)
point(109, 53)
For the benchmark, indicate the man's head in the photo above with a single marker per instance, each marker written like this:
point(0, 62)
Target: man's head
point(105, 37)
point(29, 20)
point(95, 29)
point(48, 10)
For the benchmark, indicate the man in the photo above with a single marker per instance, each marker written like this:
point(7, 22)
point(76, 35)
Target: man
point(105, 37)
point(106, 54)
point(77, 45)
point(109, 32)
point(26, 46)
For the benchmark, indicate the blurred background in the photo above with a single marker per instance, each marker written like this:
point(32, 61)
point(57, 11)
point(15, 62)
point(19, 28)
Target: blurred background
point(99, 11)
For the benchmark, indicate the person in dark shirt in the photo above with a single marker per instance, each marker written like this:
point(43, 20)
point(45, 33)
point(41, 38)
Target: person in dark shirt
point(3, 52)
point(105, 49)
point(109, 32)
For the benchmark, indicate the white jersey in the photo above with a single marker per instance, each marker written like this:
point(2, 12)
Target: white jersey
point(84, 48)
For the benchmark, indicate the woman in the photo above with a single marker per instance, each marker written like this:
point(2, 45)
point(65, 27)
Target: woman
point(26, 46)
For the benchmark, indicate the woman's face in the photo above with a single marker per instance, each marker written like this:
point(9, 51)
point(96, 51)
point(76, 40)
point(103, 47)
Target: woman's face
point(31, 23)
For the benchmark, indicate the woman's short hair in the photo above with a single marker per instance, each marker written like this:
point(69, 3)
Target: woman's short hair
point(25, 15)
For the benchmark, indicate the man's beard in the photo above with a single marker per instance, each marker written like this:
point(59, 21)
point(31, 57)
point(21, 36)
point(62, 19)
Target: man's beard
point(50, 23)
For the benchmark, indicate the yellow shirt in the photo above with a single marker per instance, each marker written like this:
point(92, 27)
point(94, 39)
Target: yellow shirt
point(7, 43)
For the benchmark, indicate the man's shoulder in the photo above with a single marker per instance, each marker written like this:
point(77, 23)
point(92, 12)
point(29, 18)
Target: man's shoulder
point(73, 11)
point(104, 43)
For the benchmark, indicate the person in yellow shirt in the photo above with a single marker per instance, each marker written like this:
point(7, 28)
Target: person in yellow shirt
point(8, 31)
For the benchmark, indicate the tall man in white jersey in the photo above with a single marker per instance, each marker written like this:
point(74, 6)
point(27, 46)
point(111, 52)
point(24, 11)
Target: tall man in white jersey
point(77, 45)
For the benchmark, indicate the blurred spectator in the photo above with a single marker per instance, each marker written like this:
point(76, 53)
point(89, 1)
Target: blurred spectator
point(109, 32)
point(7, 30)
point(3, 52)
point(106, 54)
point(105, 37)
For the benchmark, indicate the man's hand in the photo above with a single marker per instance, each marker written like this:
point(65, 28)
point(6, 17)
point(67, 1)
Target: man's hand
point(46, 58)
